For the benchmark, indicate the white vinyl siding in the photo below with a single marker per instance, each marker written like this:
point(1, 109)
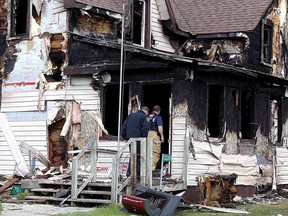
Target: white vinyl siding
point(31, 132)
point(161, 41)
point(28, 101)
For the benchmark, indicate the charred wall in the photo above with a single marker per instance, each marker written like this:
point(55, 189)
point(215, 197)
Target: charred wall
point(3, 33)
point(253, 53)
point(195, 93)
point(85, 53)
point(232, 107)
point(261, 110)
point(284, 116)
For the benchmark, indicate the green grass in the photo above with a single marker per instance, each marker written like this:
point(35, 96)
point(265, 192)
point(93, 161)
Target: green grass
point(254, 209)
point(110, 210)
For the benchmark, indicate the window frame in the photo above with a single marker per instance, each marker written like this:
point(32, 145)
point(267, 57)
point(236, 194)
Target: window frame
point(12, 32)
point(267, 43)
point(251, 103)
point(145, 32)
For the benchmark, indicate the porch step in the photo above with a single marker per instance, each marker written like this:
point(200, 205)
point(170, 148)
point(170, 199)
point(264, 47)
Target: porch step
point(54, 191)
point(92, 195)
point(95, 201)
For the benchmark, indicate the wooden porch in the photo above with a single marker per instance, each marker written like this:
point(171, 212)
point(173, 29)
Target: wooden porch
point(85, 190)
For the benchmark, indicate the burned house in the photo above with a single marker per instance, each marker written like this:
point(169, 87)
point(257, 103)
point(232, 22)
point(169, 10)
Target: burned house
point(218, 71)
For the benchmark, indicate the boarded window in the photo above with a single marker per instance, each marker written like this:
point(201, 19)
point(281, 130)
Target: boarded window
point(267, 40)
point(215, 110)
point(20, 13)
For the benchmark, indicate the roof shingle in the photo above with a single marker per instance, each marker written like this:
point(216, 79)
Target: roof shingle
point(218, 16)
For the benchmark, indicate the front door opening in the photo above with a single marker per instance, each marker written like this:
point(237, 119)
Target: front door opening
point(159, 94)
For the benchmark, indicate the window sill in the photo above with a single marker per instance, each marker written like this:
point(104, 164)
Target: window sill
point(20, 37)
point(266, 64)
point(247, 141)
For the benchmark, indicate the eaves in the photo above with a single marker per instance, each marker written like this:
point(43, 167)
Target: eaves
point(185, 61)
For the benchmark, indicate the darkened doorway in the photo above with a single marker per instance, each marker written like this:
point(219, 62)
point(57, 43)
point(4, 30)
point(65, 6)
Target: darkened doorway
point(215, 110)
point(159, 94)
point(247, 115)
point(111, 107)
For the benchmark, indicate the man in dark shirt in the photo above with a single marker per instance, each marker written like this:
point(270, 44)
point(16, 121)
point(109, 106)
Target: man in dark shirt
point(136, 125)
point(156, 132)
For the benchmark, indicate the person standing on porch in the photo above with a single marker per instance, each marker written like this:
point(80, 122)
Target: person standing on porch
point(156, 133)
point(136, 125)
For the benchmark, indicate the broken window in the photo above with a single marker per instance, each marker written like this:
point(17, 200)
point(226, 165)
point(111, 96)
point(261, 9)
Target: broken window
point(215, 110)
point(267, 40)
point(20, 18)
point(139, 22)
point(275, 119)
point(247, 115)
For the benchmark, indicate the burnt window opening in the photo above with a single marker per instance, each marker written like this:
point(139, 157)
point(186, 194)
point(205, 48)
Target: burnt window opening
point(247, 115)
point(275, 123)
point(20, 13)
point(215, 110)
point(139, 22)
point(111, 107)
point(57, 59)
point(267, 41)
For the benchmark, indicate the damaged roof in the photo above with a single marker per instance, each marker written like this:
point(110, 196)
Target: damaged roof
point(112, 5)
point(215, 16)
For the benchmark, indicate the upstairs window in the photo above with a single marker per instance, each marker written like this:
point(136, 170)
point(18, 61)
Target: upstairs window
point(267, 41)
point(139, 20)
point(20, 21)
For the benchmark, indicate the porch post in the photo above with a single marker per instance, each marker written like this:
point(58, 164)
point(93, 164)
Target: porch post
point(143, 160)
point(185, 161)
point(149, 148)
point(133, 161)
point(94, 154)
point(74, 184)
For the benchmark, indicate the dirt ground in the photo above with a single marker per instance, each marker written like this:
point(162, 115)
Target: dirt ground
point(12, 209)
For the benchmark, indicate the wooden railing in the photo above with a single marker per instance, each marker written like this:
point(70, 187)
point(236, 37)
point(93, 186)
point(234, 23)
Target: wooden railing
point(146, 145)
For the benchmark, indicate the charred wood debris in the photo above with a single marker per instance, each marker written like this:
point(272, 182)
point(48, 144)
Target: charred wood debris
point(217, 193)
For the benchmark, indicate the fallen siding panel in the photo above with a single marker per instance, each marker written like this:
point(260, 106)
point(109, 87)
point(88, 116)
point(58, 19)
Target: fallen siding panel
point(29, 101)
point(21, 166)
point(217, 163)
point(22, 131)
point(197, 167)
